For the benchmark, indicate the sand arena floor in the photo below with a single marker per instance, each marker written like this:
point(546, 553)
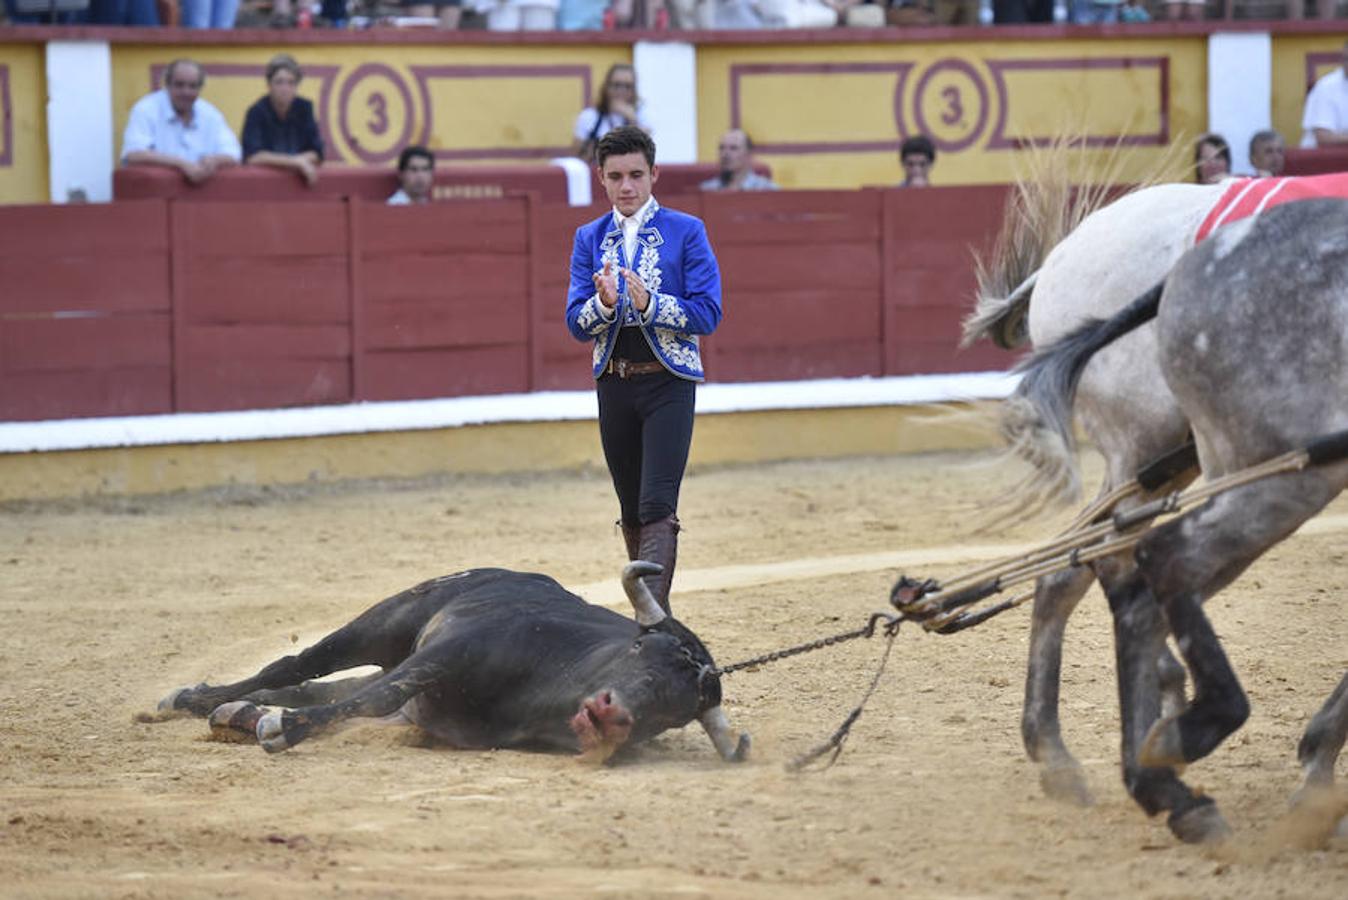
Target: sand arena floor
point(108, 604)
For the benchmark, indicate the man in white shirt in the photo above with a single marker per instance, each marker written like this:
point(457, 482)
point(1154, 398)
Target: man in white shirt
point(175, 128)
point(416, 177)
point(1325, 121)
point(736, 154)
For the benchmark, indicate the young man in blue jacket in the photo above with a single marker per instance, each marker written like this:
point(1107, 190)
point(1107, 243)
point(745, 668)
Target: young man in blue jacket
point(644, 286)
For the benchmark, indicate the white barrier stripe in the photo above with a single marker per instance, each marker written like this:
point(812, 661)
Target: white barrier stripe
point(1282, 183)
point(1230, 207)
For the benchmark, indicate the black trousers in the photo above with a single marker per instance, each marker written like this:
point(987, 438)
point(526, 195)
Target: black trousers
point(646, 426)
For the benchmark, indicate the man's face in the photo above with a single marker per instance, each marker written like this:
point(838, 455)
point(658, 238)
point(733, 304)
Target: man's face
point(628, 180)
point(734, 152)
point(916, 169)
point(282, 88)
point(417, 178)
point(184, 85)
point(1269, 156)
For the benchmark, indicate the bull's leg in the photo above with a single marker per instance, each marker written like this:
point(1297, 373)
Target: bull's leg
point(1055, 597)
point(383, 696)
point(381, 636)
point(1139, 638)
point(237, 720)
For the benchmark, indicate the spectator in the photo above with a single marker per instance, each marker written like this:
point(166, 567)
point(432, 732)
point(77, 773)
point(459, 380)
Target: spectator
point(1212, 159)
point(616, 106)
point(449, 13)
point(1134, 11)
point(1095, 12)
point(279, 129)
point(805, 13)
point(209, 13)
point(736, 153)
point(650, 14)
point(917, 154)
point(581, 15)
point(416, 177)
point(174, 127)
point(1325, 120)
point(519, 15)
point(1268, 154)
point(1182, 10)
point(1020, 12)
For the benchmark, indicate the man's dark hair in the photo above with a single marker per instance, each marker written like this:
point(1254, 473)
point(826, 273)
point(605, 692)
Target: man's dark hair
point(183, 61)
point(918, 143)
point(624, 140)
point(415, 151)
point(1266, 136)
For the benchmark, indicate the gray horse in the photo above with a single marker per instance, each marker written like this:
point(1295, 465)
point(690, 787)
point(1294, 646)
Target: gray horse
point(1252, 339)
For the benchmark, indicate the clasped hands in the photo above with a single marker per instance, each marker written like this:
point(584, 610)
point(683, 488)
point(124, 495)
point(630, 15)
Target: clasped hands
point(606, 283)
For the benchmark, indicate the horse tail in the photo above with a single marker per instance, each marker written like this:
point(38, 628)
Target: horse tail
point(1036, 420)
point(1060, 184)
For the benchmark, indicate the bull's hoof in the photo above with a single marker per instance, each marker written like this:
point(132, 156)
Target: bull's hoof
point(1065, 784)
point(1200, 824)
point(1162, 748)
point(235, 722)
point(271, 733)
point(176, 701)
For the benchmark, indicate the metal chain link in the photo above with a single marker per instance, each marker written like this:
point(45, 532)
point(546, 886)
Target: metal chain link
point(867, 630)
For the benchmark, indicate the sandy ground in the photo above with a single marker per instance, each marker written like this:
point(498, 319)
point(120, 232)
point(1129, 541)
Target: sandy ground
point(107, 605)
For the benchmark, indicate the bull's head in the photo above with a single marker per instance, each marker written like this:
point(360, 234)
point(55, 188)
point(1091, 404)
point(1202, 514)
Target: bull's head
point(731, 746)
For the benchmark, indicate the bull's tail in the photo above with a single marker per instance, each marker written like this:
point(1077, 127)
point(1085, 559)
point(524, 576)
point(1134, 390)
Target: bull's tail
point(1036, 420)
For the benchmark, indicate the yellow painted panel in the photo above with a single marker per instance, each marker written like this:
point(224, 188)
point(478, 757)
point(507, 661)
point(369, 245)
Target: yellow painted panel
point(832, 116)
point(484, 103)
point(23, 124)
point(1298, 60)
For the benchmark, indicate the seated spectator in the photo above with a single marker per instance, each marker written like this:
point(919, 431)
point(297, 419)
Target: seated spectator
point(208, 13)
point(649, 14)
point(617, 105)
point(1134, 11)
point(1212, 159)
point(449, 13)
point(174, 127)
point(518, 15)
point(1095, 12)
point(1020, 12)
point(1185, 10)
point(279, 129)
point(917, 155)
point(736, 152)
point(805, 13)
point(1268, 154)
point(1325, 120)
point(416, 177)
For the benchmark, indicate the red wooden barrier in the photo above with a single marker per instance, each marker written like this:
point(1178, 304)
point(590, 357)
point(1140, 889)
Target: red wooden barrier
point(1317, 161)
point(84, 311)
point(155, 306)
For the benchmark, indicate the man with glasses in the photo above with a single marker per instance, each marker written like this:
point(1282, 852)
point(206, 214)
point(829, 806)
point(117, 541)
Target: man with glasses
point(173, 127)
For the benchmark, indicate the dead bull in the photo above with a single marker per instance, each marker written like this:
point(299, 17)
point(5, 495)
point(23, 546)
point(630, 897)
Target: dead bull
point(490, 658)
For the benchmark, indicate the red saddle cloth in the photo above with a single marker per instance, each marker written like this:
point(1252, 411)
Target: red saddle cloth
point(1251, 196)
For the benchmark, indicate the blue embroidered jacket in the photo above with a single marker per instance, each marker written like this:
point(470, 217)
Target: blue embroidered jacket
point(674, 261)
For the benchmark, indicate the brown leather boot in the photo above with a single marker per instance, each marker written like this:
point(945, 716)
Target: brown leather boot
point(660, 544)
point(631, 537)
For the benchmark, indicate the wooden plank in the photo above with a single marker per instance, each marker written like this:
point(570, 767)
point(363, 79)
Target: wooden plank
point(792, 217)
point(842, 359)
point(483, 277)
point(109, 230)
point(33, 396)
point(260, 230)
point(268, 289)
point(262, 384)
point(478, 226)
point(795, 317)
point(92, 281)
point(771, 267)
point(462, 322)
point(86, 343)
point(265, 342)
point(446, 373)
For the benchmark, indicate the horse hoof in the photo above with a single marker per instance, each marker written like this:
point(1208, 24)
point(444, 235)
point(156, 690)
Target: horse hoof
point(175, 701)
point(1201, 824)
point(1161, 748)
point(271, 733)
point(1065, 784)
point(235, 722)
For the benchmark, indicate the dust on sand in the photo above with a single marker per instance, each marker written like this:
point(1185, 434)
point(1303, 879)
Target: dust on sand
point(109, 604)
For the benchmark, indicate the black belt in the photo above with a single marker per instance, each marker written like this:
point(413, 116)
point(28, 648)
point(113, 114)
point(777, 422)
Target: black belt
point(624, 368)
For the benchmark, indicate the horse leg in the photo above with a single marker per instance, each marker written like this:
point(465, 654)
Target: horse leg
point(1318, 753)
point(386, 694)
point(1055, 597)
point(1190, 559)
point(1139, 639)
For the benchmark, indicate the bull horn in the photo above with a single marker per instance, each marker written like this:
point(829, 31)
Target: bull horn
point(732, 747)
point(649, 613)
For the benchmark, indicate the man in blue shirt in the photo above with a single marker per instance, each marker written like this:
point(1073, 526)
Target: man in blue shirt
point(174, 127)
point(644, 286)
